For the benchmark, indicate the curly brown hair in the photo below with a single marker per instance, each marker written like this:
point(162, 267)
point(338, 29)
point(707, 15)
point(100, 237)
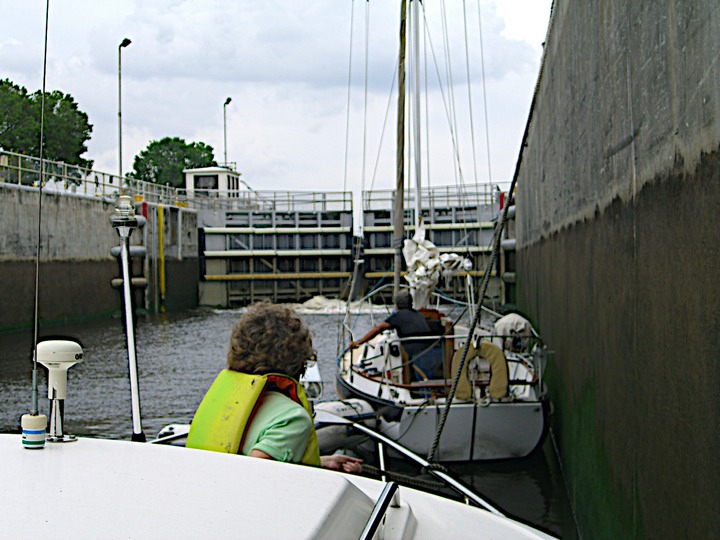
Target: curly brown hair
point(270, 338)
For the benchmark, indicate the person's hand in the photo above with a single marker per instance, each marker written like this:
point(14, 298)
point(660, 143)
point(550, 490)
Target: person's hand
point(354, 345)
point(339, 462)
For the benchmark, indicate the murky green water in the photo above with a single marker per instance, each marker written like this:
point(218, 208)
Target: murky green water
point(179, 356)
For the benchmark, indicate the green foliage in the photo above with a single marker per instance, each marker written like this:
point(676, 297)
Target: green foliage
point(67, 128)
point(19, 130)
point(163, 161)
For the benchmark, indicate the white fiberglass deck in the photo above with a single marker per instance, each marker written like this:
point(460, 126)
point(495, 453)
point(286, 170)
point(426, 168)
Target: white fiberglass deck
point(116, 489)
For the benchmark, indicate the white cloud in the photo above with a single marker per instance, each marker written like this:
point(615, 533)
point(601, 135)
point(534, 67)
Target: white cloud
point(285, 64)
point(525, 20)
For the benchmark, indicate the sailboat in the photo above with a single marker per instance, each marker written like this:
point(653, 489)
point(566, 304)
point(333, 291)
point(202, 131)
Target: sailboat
point(484, 397)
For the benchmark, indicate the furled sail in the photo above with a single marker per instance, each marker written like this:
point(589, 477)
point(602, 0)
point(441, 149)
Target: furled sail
point(426, 265)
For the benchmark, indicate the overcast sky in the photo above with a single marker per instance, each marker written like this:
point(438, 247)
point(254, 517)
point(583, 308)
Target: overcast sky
point(285, 64)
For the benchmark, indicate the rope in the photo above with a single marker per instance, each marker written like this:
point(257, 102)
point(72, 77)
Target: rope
point(498, 232)
point(405, 479)
point(476, 318)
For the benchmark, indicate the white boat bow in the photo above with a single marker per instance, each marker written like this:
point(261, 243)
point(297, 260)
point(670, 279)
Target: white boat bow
point(95, 488)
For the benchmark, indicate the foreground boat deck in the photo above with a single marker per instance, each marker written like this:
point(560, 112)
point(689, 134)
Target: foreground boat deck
point(132, 490)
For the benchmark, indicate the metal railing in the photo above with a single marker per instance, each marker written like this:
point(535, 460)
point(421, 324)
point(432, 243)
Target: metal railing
point(435, 197)
point(176, 435)
point(277, 201)
point(64, 178)
point(60, 177)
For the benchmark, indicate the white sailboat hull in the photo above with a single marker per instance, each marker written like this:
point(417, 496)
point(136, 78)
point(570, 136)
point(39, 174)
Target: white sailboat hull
point(410, 413)
point(501, 430)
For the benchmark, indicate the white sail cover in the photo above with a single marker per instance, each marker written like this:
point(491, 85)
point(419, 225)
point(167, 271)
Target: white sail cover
point(425, 266)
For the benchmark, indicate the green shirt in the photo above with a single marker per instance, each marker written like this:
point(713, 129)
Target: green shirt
point(280, 428)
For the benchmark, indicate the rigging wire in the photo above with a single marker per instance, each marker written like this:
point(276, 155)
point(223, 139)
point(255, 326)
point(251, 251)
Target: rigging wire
point(387, 117)
point(498, 233)
point(476, 317)
point(471, 116)
point(461, 188)
point(452, 120)
point(347, 117)
point(365, 97)
point(469, 90)
point(451, 93)
point(34, 409)
point(484, 86)
point(448, 104)
point(456, 153)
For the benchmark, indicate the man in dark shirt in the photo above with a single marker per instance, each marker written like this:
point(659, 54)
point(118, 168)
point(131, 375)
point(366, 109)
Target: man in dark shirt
point(407, 322)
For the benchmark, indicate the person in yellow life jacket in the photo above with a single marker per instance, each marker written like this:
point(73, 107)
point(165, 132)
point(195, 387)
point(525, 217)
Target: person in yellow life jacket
point(257, 407)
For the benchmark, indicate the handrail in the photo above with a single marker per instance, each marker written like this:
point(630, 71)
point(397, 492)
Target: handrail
point(65, 178)
point(437, 196)
point(327, 418)
point(60, 177)
point(466, 492)
point(269, 201)
point(443, 383)
point(379, 511)
point(179, 431)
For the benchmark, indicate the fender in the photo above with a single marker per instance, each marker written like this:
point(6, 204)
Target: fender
point(221, 420)
point(498, 370)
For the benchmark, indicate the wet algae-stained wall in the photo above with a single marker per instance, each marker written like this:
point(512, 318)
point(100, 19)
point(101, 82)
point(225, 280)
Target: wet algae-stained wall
point(618, 254)
point(76, 266)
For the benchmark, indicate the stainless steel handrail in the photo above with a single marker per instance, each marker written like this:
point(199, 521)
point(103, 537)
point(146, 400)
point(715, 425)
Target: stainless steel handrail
point(379, 511)
point(466, 492)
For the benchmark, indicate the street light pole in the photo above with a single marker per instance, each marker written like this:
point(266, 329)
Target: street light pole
point(125, 42)
point(227, 102)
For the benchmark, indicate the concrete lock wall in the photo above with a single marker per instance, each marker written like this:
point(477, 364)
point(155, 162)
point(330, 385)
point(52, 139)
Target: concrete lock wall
point(180, 264)
point(618, 194)
point(76, 266)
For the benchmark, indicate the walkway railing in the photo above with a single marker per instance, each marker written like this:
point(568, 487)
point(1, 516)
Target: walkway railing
point(277, 201)
point(64, 178)
point(435, 197)
point(72, 179)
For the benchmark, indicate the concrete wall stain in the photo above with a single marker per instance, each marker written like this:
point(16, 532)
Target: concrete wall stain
point(76, 266)
point(618, 197)
point(630, 304)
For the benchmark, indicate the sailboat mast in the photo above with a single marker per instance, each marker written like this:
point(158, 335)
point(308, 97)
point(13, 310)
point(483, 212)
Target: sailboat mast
point(398, 210)
point(415, 41)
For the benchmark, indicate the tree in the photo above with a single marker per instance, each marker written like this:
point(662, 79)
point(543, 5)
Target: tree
point(163, 161)
point(67, 128)
point(19, 131)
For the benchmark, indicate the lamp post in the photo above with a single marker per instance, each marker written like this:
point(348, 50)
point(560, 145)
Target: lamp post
point(227, 102)
point(125, 42)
